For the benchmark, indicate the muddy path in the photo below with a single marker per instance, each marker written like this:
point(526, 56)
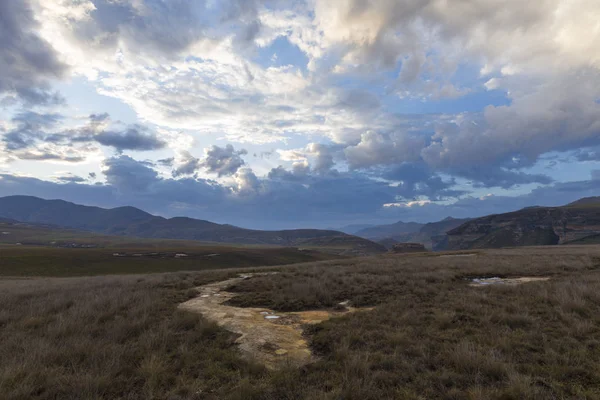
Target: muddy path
point(272, 338)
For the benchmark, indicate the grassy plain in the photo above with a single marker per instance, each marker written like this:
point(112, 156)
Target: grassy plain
point(430, 335)
point(51, 261)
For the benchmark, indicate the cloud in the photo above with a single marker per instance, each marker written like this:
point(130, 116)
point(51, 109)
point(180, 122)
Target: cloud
point(27, 61)
point(377, 148)
point(223, 161)
point(70, 179)
point(29, 124)
point(528, 75)
point(276, 202)
point(539, 35)
point(36, 136)
point(561, 115)
point(187, 164)
point(416, 180)
point(153, 27)
point(128, 175)
point(135, 137)
point(316, 157)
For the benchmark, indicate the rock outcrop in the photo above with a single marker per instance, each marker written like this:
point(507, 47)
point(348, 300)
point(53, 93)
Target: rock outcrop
point(535, 226)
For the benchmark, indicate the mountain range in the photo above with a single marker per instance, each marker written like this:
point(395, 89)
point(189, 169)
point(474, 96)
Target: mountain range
point(574, 223)
point(577, 222)
point(432, 235)
point(131, 221)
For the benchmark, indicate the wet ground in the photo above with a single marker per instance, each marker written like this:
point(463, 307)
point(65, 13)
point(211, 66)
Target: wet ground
point(272, 338)
point(506, 281)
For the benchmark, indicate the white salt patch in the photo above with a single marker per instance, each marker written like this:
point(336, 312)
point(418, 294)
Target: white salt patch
point(457, 255)
point(507, 281)
point(272, 317)
point(487, 281)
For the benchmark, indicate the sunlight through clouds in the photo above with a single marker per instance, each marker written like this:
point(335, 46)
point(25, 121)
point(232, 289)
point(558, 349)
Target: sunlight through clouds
point(391, 103)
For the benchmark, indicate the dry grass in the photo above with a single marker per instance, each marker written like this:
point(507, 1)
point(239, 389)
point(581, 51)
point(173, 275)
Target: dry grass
point(430, 336)
point(111, 338)
point(433, 336)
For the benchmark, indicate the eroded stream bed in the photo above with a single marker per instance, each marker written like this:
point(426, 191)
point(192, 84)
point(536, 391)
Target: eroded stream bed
point(272, 338)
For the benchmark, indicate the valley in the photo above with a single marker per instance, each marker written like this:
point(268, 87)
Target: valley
point(89, 315)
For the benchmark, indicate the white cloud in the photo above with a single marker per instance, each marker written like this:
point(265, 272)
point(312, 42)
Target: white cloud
point(192, 70)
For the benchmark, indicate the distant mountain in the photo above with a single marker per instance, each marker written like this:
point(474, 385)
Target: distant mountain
point(530, 226)
point(130, 221)
point(352, 229)
point(385, 231)
point(431, 235)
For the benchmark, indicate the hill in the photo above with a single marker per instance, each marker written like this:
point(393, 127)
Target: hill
point(586, 201)
point(529, 227)
point(132, 222)
point(353, 228)
point(432, 235)
point(386, 231)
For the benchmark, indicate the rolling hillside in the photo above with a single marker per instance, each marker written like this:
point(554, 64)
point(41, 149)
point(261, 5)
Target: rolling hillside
point(432, 235)
point(389, 231)
point(132, 222)
point(529, 227)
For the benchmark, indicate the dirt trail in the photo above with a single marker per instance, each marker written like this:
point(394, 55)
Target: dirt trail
point(273, 338)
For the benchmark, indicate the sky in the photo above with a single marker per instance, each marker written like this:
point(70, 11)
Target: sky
point(276, 114)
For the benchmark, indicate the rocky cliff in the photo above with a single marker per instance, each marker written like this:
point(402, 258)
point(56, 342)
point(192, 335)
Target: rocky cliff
point(527, 227)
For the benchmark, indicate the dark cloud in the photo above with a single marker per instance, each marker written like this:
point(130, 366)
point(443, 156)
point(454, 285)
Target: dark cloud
point(166, 162)
point(556, 194)
point(128, 175)
point(135, 137)
point(475, 158)
point(49, 156)
point(282, 200)
point(27, 62)
point(39, 137)
point(416, 180)
point(30, 127)
point(70, 179)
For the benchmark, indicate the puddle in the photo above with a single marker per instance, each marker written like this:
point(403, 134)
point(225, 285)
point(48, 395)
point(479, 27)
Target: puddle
point(457, 255)
point(506, 281)
point(275, 339)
